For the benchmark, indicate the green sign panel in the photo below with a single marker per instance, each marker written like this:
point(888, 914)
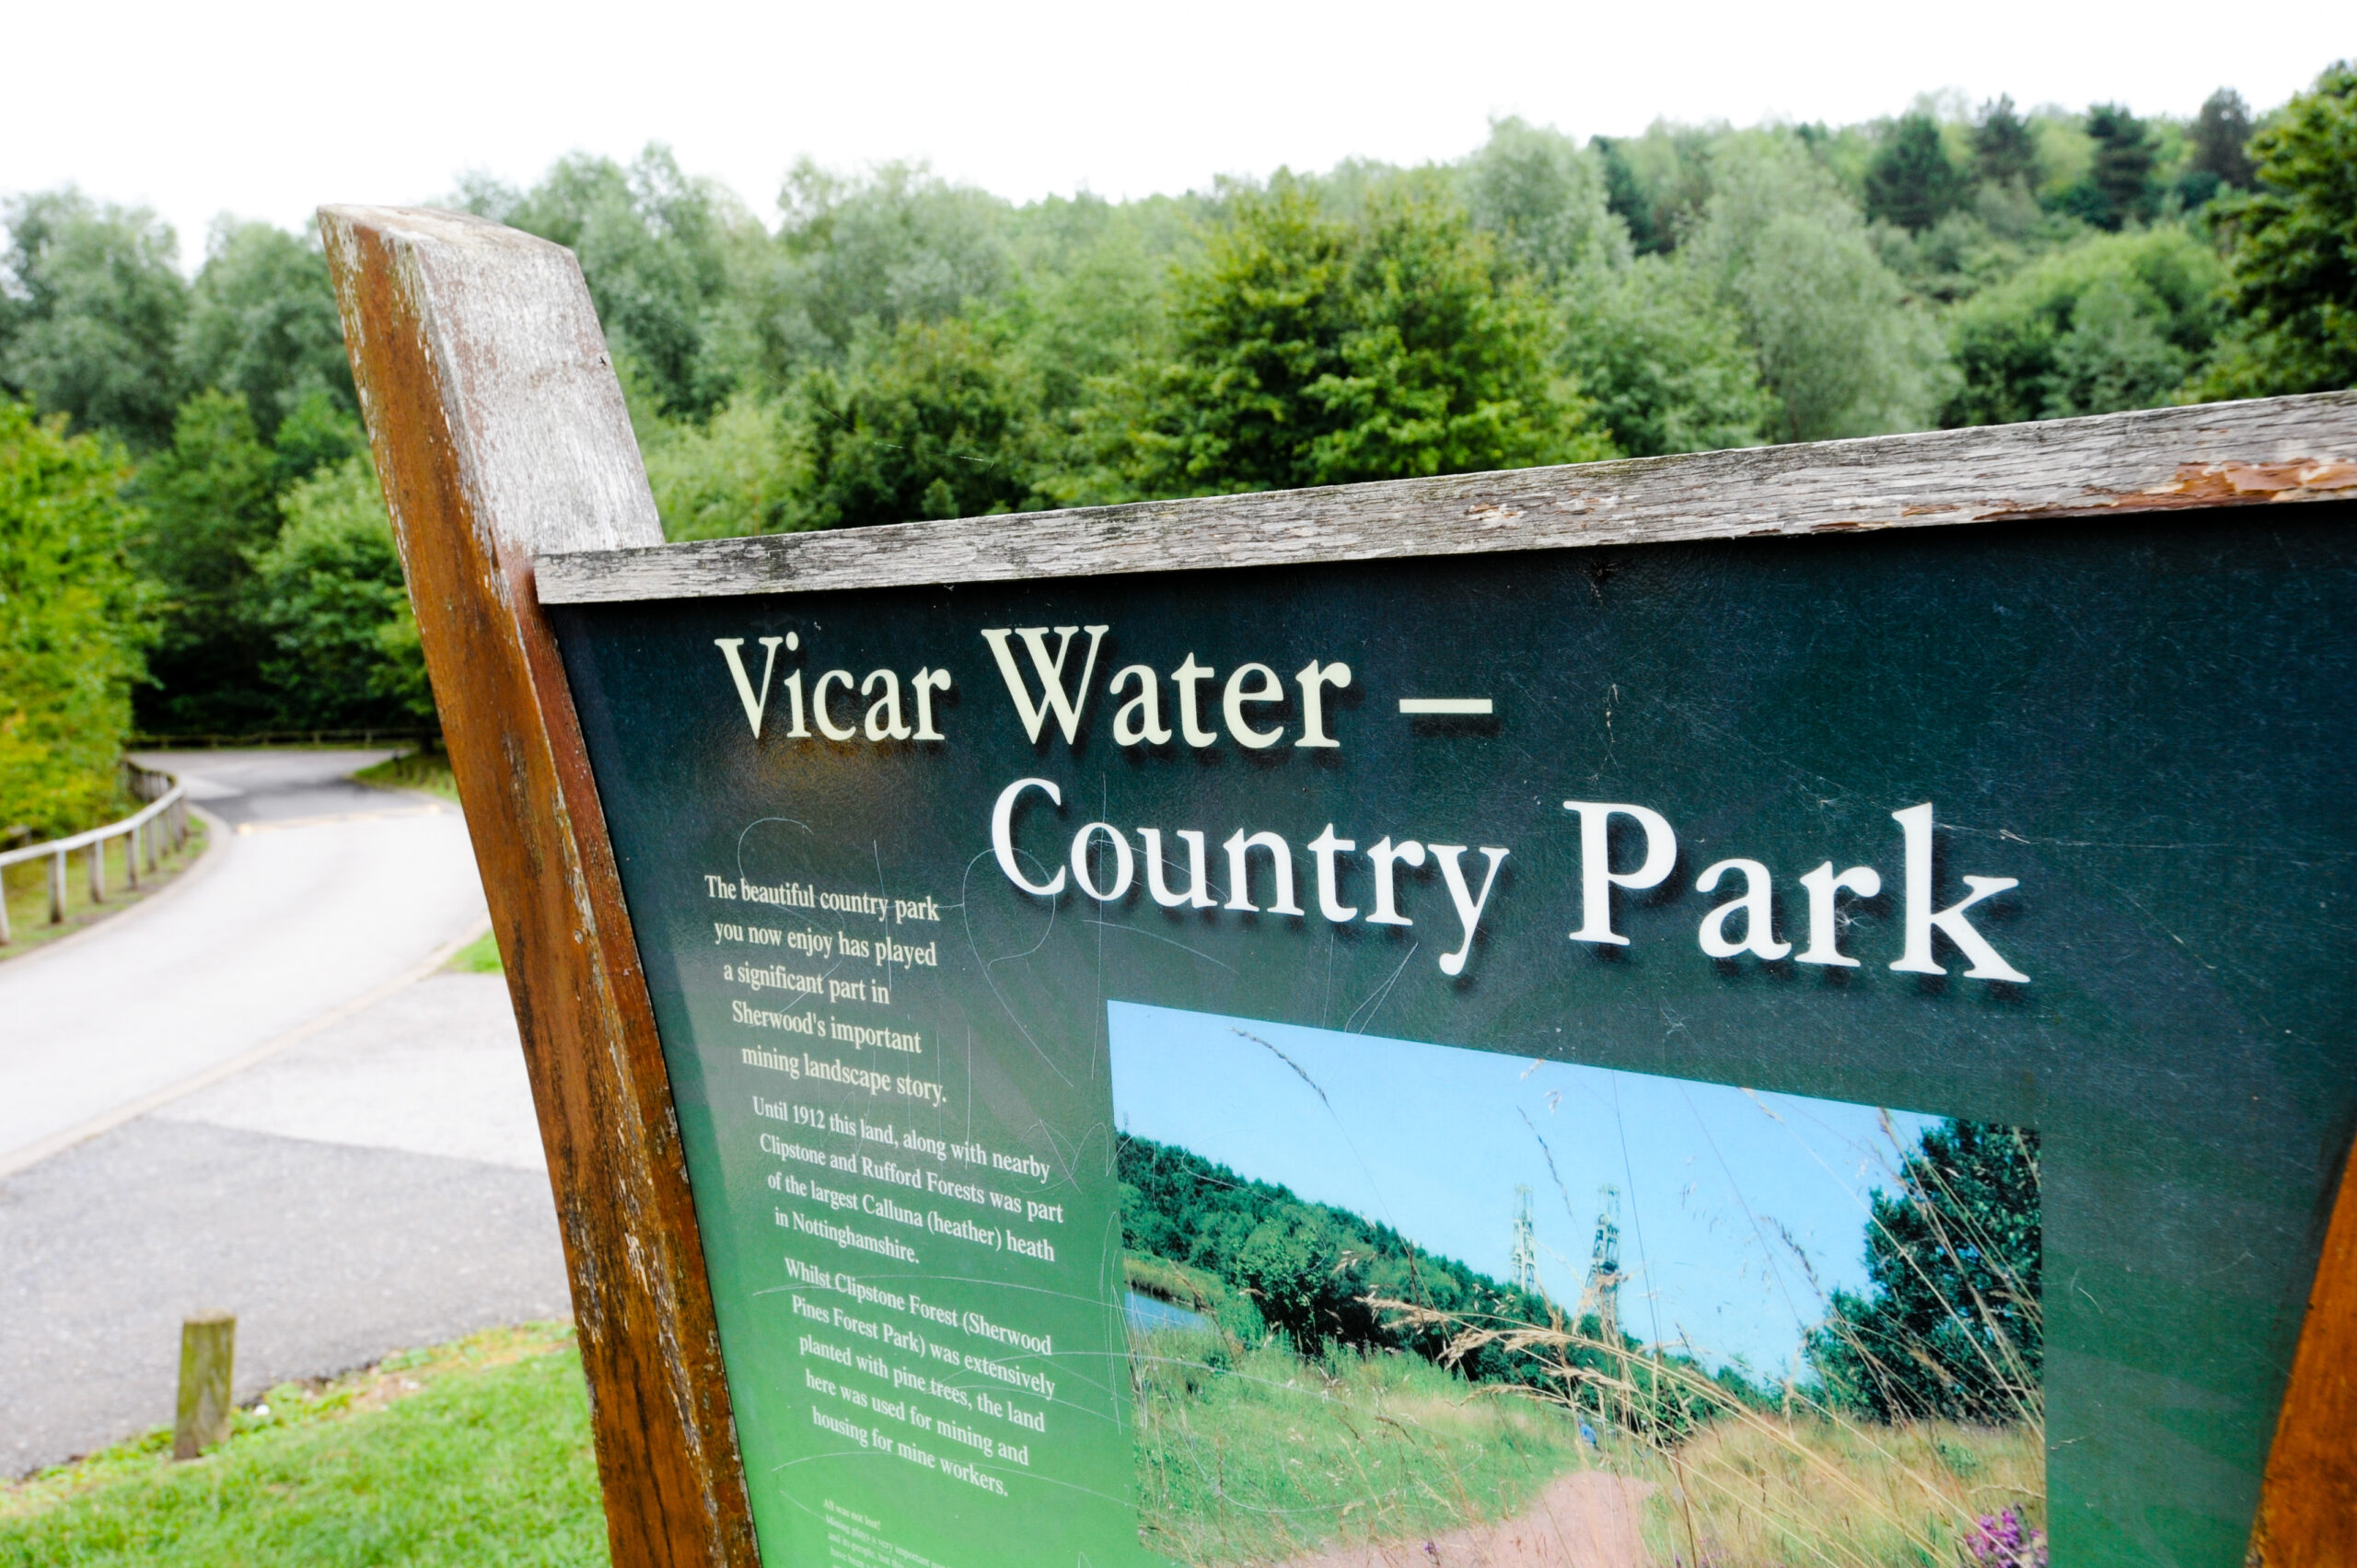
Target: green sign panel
point(1730, 1048)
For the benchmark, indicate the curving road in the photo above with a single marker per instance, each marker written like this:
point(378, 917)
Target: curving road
point(255, 1091)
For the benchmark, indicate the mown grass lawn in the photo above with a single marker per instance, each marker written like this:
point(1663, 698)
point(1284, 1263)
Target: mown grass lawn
point(476, 1453)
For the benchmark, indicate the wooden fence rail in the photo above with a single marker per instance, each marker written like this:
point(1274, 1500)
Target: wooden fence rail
point(164, 817)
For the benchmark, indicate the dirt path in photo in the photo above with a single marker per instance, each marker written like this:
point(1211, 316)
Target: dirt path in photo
point(1586, 1519)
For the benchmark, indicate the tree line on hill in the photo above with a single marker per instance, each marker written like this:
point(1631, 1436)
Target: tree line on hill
point(895, 346)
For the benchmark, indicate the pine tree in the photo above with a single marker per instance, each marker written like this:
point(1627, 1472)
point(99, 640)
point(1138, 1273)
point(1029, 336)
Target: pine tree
point(2221, 138)
point(1951, 1326)
point(2004, 148)
point(1911, 182)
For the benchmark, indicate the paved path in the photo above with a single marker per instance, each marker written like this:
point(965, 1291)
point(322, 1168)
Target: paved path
point(286, 1127)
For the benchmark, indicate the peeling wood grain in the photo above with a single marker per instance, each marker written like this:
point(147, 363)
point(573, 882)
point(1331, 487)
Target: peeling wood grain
point(2270, 451)
point(499, 432)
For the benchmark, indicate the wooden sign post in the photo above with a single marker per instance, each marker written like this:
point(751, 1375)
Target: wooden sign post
point(1055, 1034)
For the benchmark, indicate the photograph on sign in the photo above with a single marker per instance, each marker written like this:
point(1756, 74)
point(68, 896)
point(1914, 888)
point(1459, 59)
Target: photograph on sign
point(1384, 1291)
point(1268, 1065)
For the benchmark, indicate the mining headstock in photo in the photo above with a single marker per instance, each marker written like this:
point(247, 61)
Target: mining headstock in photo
point(1775, 1005)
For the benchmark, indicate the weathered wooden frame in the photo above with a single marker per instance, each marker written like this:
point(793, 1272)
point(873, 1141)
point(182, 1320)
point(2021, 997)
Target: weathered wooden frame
point(514, 481)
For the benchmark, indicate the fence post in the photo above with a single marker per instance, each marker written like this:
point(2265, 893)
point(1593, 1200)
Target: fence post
point(97, 871)
point(57, 889)
point(7, 936)
point(131, 858)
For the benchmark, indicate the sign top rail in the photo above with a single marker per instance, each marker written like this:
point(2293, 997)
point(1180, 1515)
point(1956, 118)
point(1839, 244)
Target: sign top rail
point(2261, 452)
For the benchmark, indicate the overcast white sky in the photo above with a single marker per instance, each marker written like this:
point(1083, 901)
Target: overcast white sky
point(266, 111)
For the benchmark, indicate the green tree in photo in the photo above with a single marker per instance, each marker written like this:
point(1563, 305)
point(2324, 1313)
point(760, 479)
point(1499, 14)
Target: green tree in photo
point(2119, 188)
point(1840, 344)
point(1910, 183)
point(74, 620)
point(2293, 261)
point(91, 313)
point(212, 505)
point(929, 422)
point(2218, 149)
point(1951, 1326)
point(263, 323)
point(1312, 351)
point(2005, 147)
point(328, 595)
point(1626, 198)
point(2116, 321)
point(1544, 201)
point(1664, 359)
point(736, 474)
point(854, 255)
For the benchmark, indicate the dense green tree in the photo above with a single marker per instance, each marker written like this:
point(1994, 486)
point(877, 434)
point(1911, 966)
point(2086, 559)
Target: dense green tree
point(1950, 1324)
point(2116, 321)
point(1911, 182)
point(2005, 147)
point(929, 421)
point(342, 652)
point(1543, 199)
point(2118, 187)
point(1664, 359)
point(2219, 143)
point(90, 312)
point(738, 472)
point(1840, 344)
point(899, 245)
point(2294, 256)
point(74, 621)
point(263, 323)
point(211, 504)
point(1625, 196)
point(1311, 351)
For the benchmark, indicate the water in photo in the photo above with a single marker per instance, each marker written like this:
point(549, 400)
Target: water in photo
point(1395, 1303)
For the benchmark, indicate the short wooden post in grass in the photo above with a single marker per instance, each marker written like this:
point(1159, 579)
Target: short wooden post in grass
point(208, 1355)
point(57, 889)
point(99, 871)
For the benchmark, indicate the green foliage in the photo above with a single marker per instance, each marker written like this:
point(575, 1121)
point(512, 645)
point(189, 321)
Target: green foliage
point(2295, 256)
point(1910, 183)
point(90, 311)
point(928, 422)
point(1840, 344)
point(1544, 199)
point(328, 593)
point(2005, 147)
point(1313, 351)
point(74, 620)
point(2118, 187)
point(261, 323)
point(899, 246)
point(1665, 358)
point(2113, 322)
point(1951, 1326)
point(2220, 150)
point(1626, 198)
point(212, 505)
point(736, 474)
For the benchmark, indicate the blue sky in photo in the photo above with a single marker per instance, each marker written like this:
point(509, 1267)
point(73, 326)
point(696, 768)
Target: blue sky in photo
point(1722, 1191)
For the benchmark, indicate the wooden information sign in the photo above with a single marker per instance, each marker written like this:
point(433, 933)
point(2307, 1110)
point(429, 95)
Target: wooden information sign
point(1794, 1002)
